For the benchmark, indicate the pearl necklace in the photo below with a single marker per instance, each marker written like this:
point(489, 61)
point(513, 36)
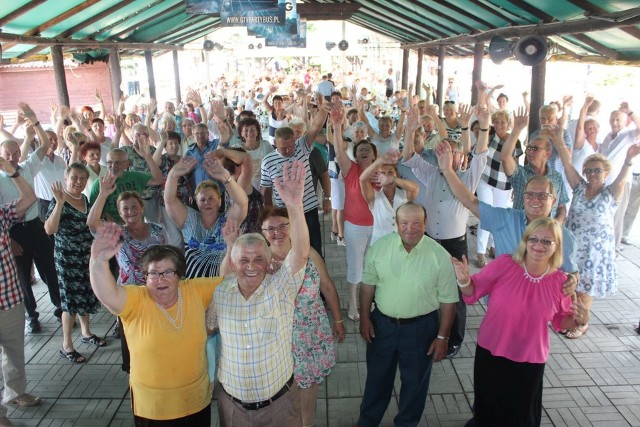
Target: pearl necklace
point(179, 314)
point(72, 196)
point(534, 279)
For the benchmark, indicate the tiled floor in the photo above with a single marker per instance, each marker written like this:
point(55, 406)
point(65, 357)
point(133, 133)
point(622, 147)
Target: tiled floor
point(593, 381)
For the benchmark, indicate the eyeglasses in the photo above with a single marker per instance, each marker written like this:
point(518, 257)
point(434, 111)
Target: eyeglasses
point(545, 242)
point(589, 171)
point(156, 275)
point(535, 149)
point(278, 229)
point(116, 162)
point(449, 102)
point(529, 195)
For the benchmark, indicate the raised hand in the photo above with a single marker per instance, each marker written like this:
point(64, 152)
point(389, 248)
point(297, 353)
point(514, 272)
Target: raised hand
point(98, 95)
point(230, 232)
point(142, 146)
point(291, 186)
point(462, 269)
point(218, 109)
point(624, 107)
point(58, 192)
point(444, 155)
point(107, 242)
point(107, 183)
point(337, 115)
point(464, 115)
point(118, 122)
point(184, 166)
point(588, 100)
point(484, 117)
point(27, 112)
point(53, 107)
point(413, 119)
point(520, 118)
point(567, 101)
point(632, 152)
point(215, 170)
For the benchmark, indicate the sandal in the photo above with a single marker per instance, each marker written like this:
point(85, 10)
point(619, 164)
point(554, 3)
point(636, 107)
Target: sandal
point(93, 339)
point(334, 236)
point(353, 314)
point(577, 332)
point(72, 356)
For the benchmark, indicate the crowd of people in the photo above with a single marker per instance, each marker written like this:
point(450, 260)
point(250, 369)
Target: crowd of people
point(203, 221)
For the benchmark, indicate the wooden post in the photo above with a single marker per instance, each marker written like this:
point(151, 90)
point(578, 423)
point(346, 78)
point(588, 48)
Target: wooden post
point(538, 74)
point(116, 76)
point(405, 68)
point(419, 72)
point(148, 57)
point(58, 72)
point(176, 75)
point(440, 96)
point(478, 56)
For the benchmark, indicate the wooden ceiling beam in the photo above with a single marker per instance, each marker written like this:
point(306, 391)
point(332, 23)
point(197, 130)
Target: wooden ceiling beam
point(593, 9)
point(123, 20)
point(95, 18)
point(146, 20)
point(82, 43)
point(19, 12)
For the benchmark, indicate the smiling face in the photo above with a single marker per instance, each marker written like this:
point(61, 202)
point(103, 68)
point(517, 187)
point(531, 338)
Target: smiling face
point(385, 127)
point(541, 245)
point(98, 128)
point(250, 133)
point(163, 289)
point(617, 121)
point(276, 230)
point(412, 224)
point(11, 153)
point(538, 152)
point(117, 163)
point(250, 262)
point(501, 125)
point(595, 173)
point(548, 118)
point(76, 180)
point(131, 211)
point(537, 200)
point(591, 129)
point(92, 158)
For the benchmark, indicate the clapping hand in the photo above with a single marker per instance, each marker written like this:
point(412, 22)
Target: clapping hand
point(184, 166)
point(291, 186)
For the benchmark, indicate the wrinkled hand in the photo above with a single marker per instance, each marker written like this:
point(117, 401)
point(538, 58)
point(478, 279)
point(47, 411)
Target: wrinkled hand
point(215, 170)
point(107, 242)
point(438, 349)
point(118, 123)
point(588, 100)
point(339, 331)
point(53, 107)
point(413, 120)
point(27, 112)
point(444, 155)
point(58, 192)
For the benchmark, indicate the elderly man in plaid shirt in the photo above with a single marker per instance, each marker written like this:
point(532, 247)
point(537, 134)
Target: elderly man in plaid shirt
point(254, 312)
point(11, 307)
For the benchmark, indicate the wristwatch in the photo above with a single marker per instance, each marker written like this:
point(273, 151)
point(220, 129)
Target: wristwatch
point(15, 174)
point(443, 338)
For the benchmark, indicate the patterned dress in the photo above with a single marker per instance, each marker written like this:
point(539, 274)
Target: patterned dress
point(71, 254)
point(204, 248)
point(592, 223)
point(131, 252)
point(313, 350)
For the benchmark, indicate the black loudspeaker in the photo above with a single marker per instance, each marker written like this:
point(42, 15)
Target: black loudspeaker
point(207, 45)
point(531, 49)
point(343, 45)
point(500, 49)
point(259, 46)
point(330, 45)
point(251, 46)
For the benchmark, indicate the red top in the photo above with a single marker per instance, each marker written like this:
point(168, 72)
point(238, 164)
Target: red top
point(356, 209)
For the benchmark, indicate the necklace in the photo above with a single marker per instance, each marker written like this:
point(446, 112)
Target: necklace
point(72, 196)
point(534, 279)
point(179, 315)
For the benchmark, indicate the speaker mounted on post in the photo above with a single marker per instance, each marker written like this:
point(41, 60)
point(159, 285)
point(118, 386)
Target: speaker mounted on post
point(531, 49)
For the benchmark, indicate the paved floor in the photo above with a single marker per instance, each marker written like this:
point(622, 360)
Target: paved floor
point(591, 381)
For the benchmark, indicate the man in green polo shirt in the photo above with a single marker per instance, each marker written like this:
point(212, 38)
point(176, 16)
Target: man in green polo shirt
point(409, 277)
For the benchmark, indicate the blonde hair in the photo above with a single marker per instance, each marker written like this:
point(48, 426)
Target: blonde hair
point(555, 260)
point(597, 157)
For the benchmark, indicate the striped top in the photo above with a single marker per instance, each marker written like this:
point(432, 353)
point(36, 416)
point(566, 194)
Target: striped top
point(272, 168)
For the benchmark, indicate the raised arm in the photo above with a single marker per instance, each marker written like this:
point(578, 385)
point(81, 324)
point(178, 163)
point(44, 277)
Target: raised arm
point(567, 102)
point(291, 189)
point(579, 139)
point(5, 134)
point(464, 116)
point(413, 123)
point(363, 117)
point(107, 185)
point(42, 135)
point(557, 139)
point(520, 121)
point(265, 99)
point(175, 208)
point(365, 181)
point(238, 210)
point(53, 222)
point(105, 246)
point(339, 145)
point(484, 118)
point(239, 158)
point(25, 145)
point(635, 117)
point(617, 186)
point(27, 197)
point(462, 193)
point(316, 125)
point(157, 155)
point(143, 148)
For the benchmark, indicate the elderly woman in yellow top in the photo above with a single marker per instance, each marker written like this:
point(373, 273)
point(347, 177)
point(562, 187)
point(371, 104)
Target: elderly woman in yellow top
point(165, 325)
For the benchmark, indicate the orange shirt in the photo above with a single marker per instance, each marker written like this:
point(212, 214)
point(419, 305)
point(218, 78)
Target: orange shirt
point(356, 209)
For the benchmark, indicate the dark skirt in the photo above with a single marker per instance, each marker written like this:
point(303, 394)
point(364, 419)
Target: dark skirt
point(507, 393)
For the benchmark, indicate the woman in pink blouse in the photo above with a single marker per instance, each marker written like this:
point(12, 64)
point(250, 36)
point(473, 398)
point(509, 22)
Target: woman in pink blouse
point(513, 341)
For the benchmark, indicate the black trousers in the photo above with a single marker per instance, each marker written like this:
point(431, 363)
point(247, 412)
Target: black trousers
point(200, 418)
point(313, 224)
point(38, 248)
point(457, 248)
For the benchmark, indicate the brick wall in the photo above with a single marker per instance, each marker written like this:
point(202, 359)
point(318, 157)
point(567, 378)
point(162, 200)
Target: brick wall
point(37, 87)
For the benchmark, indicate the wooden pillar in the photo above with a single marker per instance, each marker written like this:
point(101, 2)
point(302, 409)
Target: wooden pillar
point(148, 58)
point(58, 72)
point(116, 76)
point(440, 96)
point(478, 56)
point(419, 71)
point(405, 68)
point(176, 75)
point(538, 74)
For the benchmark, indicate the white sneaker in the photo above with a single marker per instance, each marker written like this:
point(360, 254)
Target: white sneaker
point(341, 241)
